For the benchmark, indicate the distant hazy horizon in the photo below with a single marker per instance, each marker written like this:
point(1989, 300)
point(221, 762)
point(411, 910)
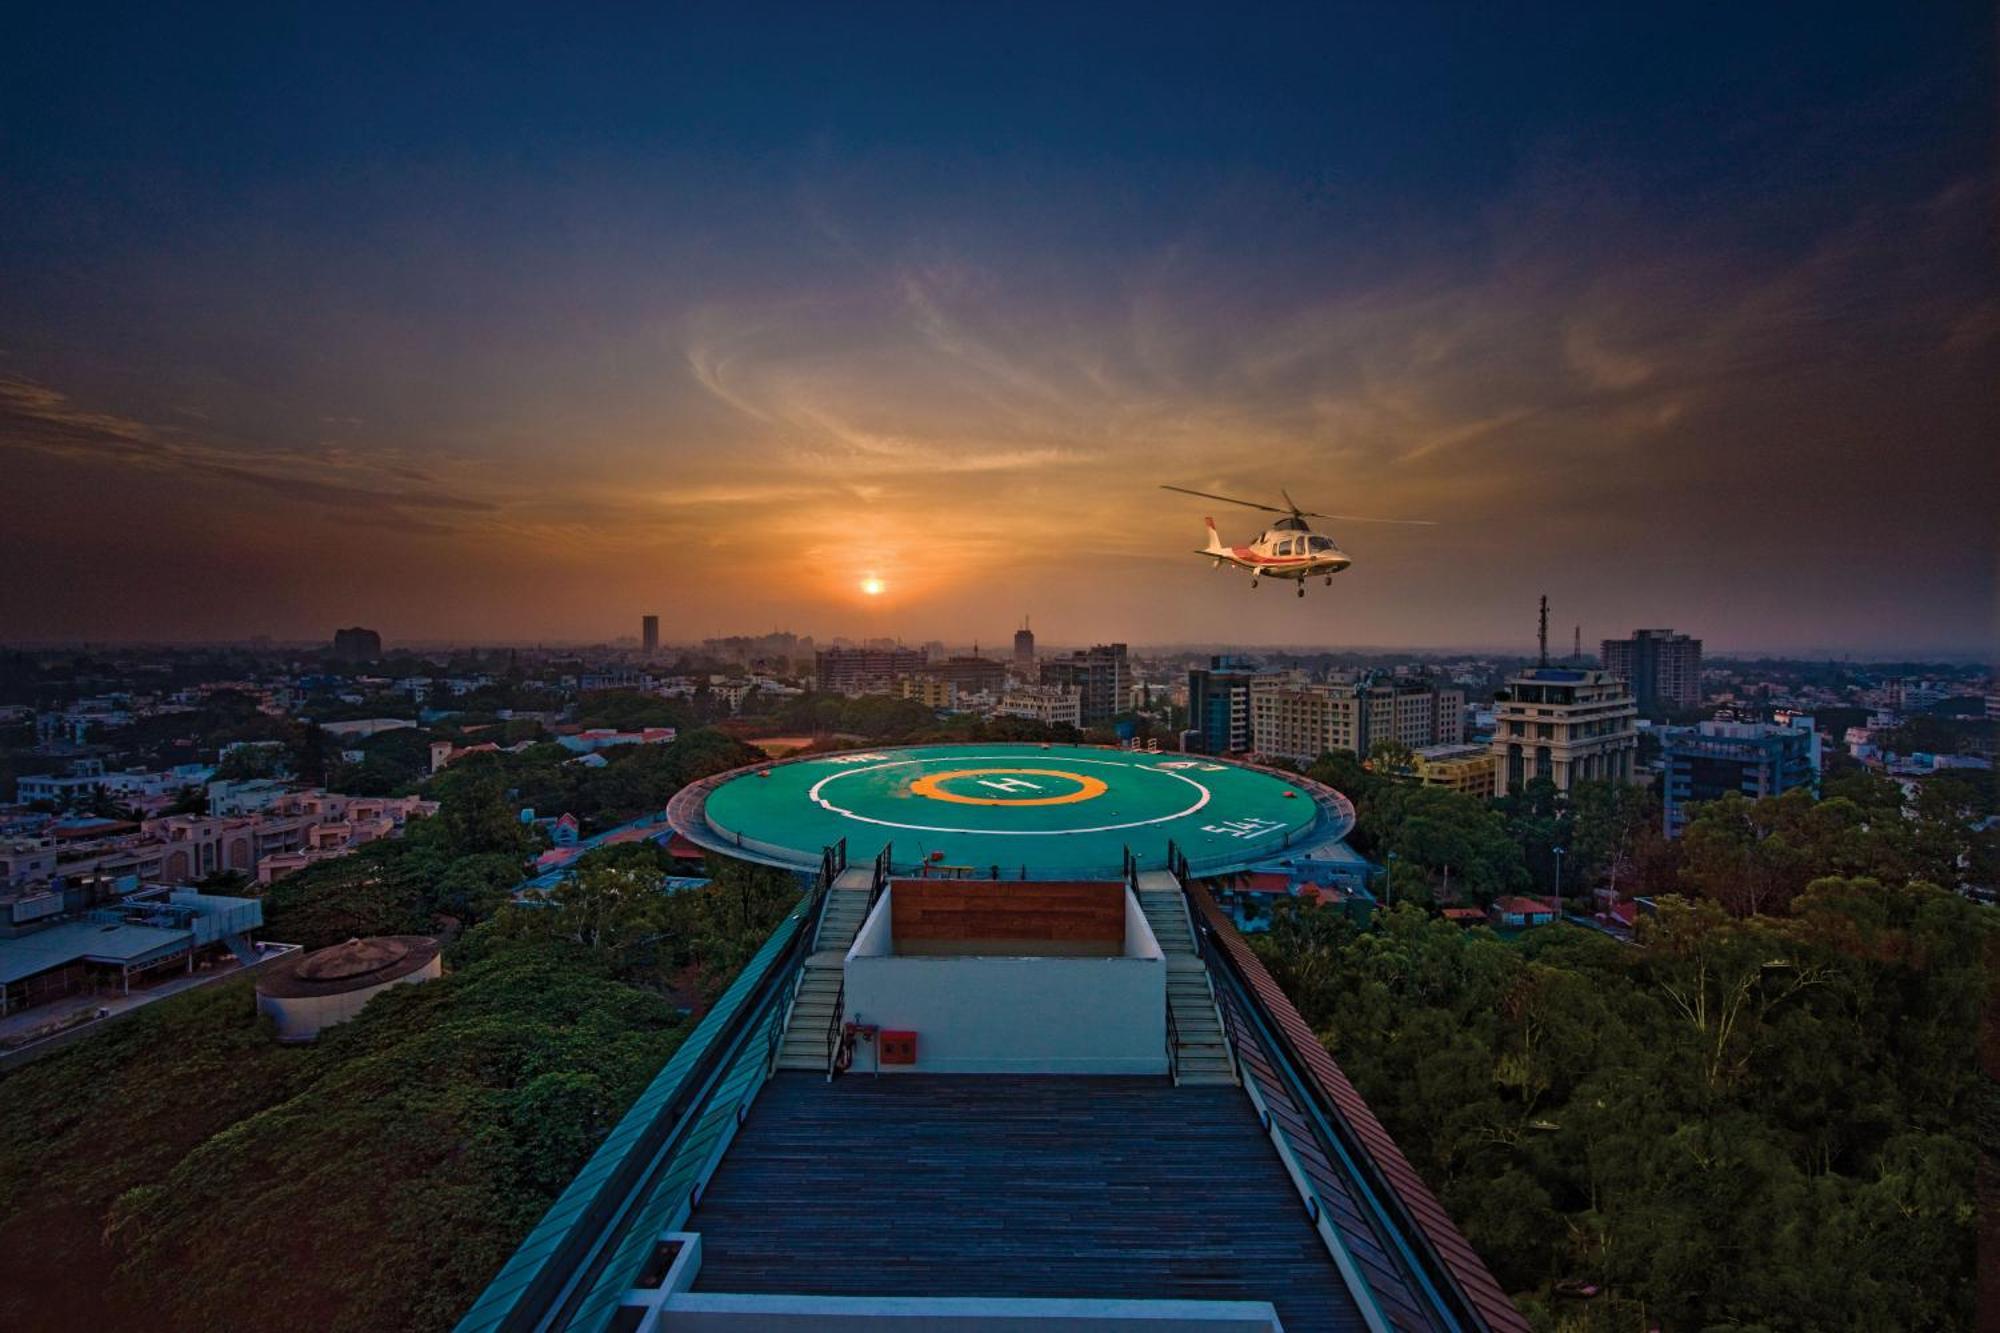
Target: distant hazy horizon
point(1001, 647)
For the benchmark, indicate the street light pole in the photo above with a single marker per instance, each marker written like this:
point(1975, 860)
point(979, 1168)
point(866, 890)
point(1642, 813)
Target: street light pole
point(1389, 882)
point(1559, 876)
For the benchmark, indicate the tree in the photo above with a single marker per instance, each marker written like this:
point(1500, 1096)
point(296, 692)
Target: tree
point(478, 818)
point(1391, 757)
point(1756, 856)
point(608, 908)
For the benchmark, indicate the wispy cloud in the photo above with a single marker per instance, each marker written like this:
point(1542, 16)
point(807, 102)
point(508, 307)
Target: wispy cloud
point(37, 418)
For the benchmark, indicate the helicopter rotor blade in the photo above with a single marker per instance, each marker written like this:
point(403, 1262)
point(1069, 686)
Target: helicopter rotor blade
point(1362, 518)
point(1230, 499)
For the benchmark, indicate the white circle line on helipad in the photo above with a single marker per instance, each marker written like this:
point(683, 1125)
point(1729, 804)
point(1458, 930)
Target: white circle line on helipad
point(823, 803)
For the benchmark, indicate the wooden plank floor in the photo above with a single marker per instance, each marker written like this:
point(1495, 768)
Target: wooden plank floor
point(980, 1185)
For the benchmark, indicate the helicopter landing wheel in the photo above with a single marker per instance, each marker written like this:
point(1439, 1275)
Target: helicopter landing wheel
point(1302, 589)
point(1253, 583)
point(1329, 580)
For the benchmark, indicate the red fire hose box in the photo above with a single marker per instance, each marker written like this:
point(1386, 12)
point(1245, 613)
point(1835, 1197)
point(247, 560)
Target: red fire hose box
point(898, 1048)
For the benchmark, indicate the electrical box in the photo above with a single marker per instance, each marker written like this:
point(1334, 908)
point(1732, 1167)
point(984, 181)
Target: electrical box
point(898, 1048)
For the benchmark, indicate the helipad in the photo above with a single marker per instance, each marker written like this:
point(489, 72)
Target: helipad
point(1037, 811)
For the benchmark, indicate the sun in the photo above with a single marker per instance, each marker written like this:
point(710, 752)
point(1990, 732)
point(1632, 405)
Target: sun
point(872, 586)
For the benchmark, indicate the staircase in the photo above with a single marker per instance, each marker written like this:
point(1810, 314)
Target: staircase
point(1202, 1053)
point(804, 1046)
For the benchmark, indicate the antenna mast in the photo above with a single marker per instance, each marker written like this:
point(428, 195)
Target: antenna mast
point(1542, 633)
point(1576, 645)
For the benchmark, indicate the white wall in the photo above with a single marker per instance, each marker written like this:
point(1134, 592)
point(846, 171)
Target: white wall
point(991, 1015)
point(875, 939)
point(1139, 941)
point(304, 1017)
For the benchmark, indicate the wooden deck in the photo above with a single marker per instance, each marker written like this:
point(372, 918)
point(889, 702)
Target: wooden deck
point(982, 1185)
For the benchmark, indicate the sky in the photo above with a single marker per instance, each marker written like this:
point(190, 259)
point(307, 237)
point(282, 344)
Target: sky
point(512, 323)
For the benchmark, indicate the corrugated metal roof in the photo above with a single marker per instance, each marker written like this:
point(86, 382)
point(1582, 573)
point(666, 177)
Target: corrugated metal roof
point(115, 944)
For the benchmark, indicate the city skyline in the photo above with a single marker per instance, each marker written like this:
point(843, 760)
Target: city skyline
point(506, 338)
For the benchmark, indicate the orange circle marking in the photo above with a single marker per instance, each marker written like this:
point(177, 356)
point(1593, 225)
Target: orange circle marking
point(1088, 788)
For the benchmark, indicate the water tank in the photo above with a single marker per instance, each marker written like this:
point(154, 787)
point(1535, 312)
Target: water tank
point(308, 992)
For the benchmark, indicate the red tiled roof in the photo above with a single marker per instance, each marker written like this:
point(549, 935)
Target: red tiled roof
point(1264, 881)
point(1467, 1269)
point(1524, 906)
point(683, 848)
point(1464, 914)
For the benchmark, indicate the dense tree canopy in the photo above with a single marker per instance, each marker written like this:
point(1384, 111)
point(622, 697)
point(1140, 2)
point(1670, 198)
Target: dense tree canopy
point(182, 1170)
point(1432, 834)
point(1762, 1123)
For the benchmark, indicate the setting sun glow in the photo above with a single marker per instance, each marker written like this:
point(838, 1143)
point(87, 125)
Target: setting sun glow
point(872, 586)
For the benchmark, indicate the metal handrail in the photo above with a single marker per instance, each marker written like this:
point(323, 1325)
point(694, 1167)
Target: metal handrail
point(1173, 1044)
point(879, 881)
point(833, 1028)
point(551, 1298)
point(1331, 1133)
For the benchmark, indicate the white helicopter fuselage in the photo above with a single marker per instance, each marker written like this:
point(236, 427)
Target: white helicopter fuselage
point(1283, 552)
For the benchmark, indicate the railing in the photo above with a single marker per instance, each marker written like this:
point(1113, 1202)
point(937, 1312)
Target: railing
point(1205, 950)
point(1244, 1018)
point(1173, 1044)
point(832, 860)
point(834, 1031)
point(884, 862)
point(564, 1272)
point(878, 881)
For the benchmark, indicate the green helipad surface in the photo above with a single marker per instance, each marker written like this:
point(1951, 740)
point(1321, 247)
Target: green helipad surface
point(1049, 812)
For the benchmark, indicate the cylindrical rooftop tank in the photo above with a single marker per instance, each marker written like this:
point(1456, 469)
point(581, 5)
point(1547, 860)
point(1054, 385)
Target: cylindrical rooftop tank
point(308, 992)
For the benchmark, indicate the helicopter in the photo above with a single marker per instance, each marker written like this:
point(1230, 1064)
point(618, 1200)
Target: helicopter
point(1289, 548)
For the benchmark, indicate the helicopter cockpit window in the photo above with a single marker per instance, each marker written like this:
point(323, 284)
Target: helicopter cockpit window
point(1322, 543)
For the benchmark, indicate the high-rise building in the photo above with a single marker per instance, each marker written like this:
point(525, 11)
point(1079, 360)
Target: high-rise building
point(357, 645)
point(1662, 667)
point(1024, 649)
point(649, 633)
point(1706, 761)
point(1807, 724)
point(1219, 704)
point(1293, 720)
point(1566, 724)
point(864, 670)
point(1098, 675)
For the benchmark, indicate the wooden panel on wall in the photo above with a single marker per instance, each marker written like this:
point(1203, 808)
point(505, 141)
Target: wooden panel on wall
point(1007, 910)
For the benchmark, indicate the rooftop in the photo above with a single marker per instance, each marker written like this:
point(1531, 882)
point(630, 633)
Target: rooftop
point(1089, 1187)
point(99, 942)
point(354, 965)
point(1011, 811)
point(854, 1123)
